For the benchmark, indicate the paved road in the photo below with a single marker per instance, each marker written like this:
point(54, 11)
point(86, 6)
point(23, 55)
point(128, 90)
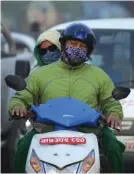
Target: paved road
point(129, 162)
point(129, 153)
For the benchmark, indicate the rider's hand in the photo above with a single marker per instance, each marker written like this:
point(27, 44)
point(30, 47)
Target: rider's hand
point(114, 121)
point(19, 110)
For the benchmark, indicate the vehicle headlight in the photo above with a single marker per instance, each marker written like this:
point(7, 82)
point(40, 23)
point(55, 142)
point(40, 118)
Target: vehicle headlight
point(88, 162)
point(36, 164)
point(42, 167)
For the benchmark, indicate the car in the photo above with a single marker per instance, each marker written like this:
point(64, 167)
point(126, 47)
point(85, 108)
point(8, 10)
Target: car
point(114, 53)
point(24, 43)
point(12, 62)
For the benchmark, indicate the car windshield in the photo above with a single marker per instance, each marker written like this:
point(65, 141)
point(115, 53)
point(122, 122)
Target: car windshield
point(114, 54)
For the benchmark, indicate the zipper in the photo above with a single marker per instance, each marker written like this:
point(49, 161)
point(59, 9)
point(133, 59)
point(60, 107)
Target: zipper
point(70, 71)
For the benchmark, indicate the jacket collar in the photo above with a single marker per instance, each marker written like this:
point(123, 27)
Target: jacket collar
point(64, 65)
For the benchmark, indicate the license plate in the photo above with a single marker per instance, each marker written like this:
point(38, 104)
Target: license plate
point(63, 140)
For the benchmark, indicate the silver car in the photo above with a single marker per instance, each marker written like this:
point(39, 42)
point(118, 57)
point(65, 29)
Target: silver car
point(16, 58)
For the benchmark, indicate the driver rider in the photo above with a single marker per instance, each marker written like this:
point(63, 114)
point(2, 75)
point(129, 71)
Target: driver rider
point(46, 51)
point(94, 85)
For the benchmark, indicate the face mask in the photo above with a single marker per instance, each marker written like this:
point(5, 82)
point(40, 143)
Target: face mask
point(75, 56)
point(97, 60)
point(50, 57)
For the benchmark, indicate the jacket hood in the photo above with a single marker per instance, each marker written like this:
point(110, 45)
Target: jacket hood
point(49, 35)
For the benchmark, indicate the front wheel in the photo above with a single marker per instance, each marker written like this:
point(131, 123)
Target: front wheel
point(104, 163)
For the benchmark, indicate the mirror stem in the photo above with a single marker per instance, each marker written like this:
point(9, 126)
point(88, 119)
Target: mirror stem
point(29, 91)
point(103, 101)
point(35, 100)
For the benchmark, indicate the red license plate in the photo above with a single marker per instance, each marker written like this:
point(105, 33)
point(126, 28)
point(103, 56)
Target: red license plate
point(63, 140)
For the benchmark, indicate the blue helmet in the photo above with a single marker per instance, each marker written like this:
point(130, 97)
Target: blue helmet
point(81, 32)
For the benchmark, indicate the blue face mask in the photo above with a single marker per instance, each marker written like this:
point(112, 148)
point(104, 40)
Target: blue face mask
point(50, 57)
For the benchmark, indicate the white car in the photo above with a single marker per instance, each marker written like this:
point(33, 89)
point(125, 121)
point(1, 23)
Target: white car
point(24, 45)
point(114, 53)
point(28, 41)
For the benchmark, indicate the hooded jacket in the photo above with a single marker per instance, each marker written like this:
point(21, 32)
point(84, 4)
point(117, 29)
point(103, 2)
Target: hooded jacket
point(85, 82)
point(49, 35)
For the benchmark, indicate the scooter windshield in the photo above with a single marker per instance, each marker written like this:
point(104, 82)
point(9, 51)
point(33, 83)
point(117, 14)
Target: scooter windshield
point(72, 113)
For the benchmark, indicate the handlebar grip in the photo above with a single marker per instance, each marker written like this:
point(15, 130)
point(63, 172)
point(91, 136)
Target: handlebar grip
point(18, 117)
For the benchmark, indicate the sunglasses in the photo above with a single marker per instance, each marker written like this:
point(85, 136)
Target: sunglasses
point(51, 48)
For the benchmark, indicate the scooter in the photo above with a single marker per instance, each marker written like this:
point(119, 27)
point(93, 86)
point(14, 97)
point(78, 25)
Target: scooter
point(64, 149)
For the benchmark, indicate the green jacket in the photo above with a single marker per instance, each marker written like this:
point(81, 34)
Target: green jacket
point(85, 82)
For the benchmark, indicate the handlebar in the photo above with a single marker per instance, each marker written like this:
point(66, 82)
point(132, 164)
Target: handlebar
point(103, 119)
point(32, 116)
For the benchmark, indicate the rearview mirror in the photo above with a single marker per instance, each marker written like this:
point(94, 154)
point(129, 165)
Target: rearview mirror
point(120, 93)
point(15, 82)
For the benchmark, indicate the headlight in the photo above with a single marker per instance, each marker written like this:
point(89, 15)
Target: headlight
point(88, 162)
point(36, 163)
point(42, 167)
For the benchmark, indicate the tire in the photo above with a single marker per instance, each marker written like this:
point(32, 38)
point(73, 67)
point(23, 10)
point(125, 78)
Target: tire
point(105, 166)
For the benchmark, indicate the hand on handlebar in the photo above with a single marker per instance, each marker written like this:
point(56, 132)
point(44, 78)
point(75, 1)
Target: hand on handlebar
point(112, 121)
point(19, 111)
